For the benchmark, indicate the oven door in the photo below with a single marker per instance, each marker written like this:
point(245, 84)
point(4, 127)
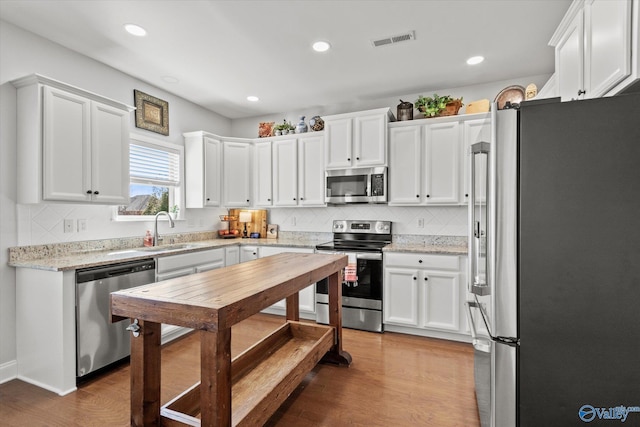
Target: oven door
point(361, 281)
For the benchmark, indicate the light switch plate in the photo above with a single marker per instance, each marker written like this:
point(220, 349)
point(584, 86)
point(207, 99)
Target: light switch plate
point(272, 231)
point(68, 226)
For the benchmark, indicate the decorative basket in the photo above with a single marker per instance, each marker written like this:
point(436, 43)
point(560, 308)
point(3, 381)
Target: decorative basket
point(451, 108)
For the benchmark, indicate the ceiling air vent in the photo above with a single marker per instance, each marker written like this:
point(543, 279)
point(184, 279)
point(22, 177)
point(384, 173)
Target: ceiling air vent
point(410, 35)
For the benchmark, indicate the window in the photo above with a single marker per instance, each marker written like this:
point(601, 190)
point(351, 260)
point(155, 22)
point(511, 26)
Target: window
point(155, 182)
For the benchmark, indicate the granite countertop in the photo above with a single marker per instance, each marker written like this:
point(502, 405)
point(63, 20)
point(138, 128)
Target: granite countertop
point(427, 248)
point(75, 255)
point(93, 258)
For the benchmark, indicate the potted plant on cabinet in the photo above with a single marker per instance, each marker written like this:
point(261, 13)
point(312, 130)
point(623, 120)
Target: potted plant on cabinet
point(284, 128)
point(438, 106)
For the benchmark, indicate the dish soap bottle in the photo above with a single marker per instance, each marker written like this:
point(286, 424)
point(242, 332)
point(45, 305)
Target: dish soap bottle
point(148, 239)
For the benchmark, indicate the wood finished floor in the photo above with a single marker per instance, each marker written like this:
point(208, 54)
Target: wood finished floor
point(394, 380)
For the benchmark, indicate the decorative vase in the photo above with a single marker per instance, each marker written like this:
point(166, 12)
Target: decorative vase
point(278, 132)
point(316, 123)
point(301, 127)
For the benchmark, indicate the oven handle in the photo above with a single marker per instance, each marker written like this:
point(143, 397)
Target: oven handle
point(370, 256)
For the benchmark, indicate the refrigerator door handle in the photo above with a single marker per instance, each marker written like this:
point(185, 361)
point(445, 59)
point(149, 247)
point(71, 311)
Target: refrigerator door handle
point(479, 284)
point(510, 341)
point(479, 344)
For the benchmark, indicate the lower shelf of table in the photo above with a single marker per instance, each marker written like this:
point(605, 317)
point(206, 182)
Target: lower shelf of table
point(262, 377)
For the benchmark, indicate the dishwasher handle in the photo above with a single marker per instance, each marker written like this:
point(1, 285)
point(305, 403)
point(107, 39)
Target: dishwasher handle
point(113, 270)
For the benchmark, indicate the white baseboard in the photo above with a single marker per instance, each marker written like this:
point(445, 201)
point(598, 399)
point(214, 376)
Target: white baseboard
point(429, 333)
point(171, 332)
point(46, 386)
point(8, 371)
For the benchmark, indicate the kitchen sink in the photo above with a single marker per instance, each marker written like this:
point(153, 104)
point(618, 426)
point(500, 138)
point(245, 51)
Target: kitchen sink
point(164, 248)
point(170, 247)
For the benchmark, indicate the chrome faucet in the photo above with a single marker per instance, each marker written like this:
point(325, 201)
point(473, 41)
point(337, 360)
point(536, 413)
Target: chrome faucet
point(156, 237)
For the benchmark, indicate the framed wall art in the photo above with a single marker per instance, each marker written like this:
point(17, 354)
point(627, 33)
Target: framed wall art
point(151, 113)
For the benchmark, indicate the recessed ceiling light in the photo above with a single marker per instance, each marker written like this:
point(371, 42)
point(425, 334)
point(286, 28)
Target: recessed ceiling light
point(474, 60)
point(135, 30)
point(321, 46)
point(253, 98)
point(170, 79)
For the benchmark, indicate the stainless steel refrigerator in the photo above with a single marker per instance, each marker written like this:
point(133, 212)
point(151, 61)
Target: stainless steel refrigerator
point(554, 256)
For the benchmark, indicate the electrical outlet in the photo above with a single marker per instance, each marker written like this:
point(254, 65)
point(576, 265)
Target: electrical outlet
point(68, 226)
point(420, 222)
point(82, 225)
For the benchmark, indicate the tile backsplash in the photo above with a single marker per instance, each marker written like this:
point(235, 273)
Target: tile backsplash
point(448, 221)
point(44, 223)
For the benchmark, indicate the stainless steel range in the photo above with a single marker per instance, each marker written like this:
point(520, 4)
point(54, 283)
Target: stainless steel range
point(362, 242)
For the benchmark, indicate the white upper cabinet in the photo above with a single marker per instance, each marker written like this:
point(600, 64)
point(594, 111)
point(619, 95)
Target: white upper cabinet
point(593, 48)
point(298, 171)
point(236, 157)
point(357, 139)
point(262, 185)
point(427, 162)
point(73, 145)
point(285, 172)
point(203, 169)
point(311, 170)
point(405, 165)
point(442, 163)
point(477, 130)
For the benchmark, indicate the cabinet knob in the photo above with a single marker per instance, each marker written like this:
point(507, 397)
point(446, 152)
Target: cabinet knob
point(428, 196)
point(301, 198)
point(89, 191)
point(466, 195)
point(418, 196)
point(581, 92)
point(420, 261)
point(426, 278)
point(96, 192)
point(294, 199)
point(357, 158)
point(268, 200)
point(247, 200)
point(349, 159)
point(415, 278)
point(208, 199)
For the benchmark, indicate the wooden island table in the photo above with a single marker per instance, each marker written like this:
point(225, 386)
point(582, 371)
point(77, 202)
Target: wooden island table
point(249, 389)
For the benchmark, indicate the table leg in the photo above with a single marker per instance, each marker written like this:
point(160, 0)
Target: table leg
point(215, 378)
point(293, 307)
point(145, 375)
point(336, 355)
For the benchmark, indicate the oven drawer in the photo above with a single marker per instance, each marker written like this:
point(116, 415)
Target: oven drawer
point(417, 260)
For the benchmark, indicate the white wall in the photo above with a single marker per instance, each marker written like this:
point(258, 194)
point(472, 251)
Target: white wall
point(23, 53)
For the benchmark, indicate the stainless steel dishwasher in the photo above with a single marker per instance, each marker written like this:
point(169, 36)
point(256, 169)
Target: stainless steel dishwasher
point(98, 341)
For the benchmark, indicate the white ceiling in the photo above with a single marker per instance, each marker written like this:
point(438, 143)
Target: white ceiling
point(223, 51)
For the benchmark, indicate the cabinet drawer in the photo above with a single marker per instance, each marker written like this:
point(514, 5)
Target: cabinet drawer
point(192, 259)
point(418, 260)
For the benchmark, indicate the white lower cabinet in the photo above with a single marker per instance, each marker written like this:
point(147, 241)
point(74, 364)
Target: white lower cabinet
point(231, 255)
point(424, 294)
point(307, 296)
point(248, 253)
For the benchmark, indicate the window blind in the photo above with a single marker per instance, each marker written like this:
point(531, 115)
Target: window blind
point(154, 165)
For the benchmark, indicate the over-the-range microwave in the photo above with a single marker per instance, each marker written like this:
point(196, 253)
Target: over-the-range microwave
point(356, 185)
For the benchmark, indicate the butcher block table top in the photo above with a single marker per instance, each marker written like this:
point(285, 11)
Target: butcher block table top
point(212, 302)
point(219, 299)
